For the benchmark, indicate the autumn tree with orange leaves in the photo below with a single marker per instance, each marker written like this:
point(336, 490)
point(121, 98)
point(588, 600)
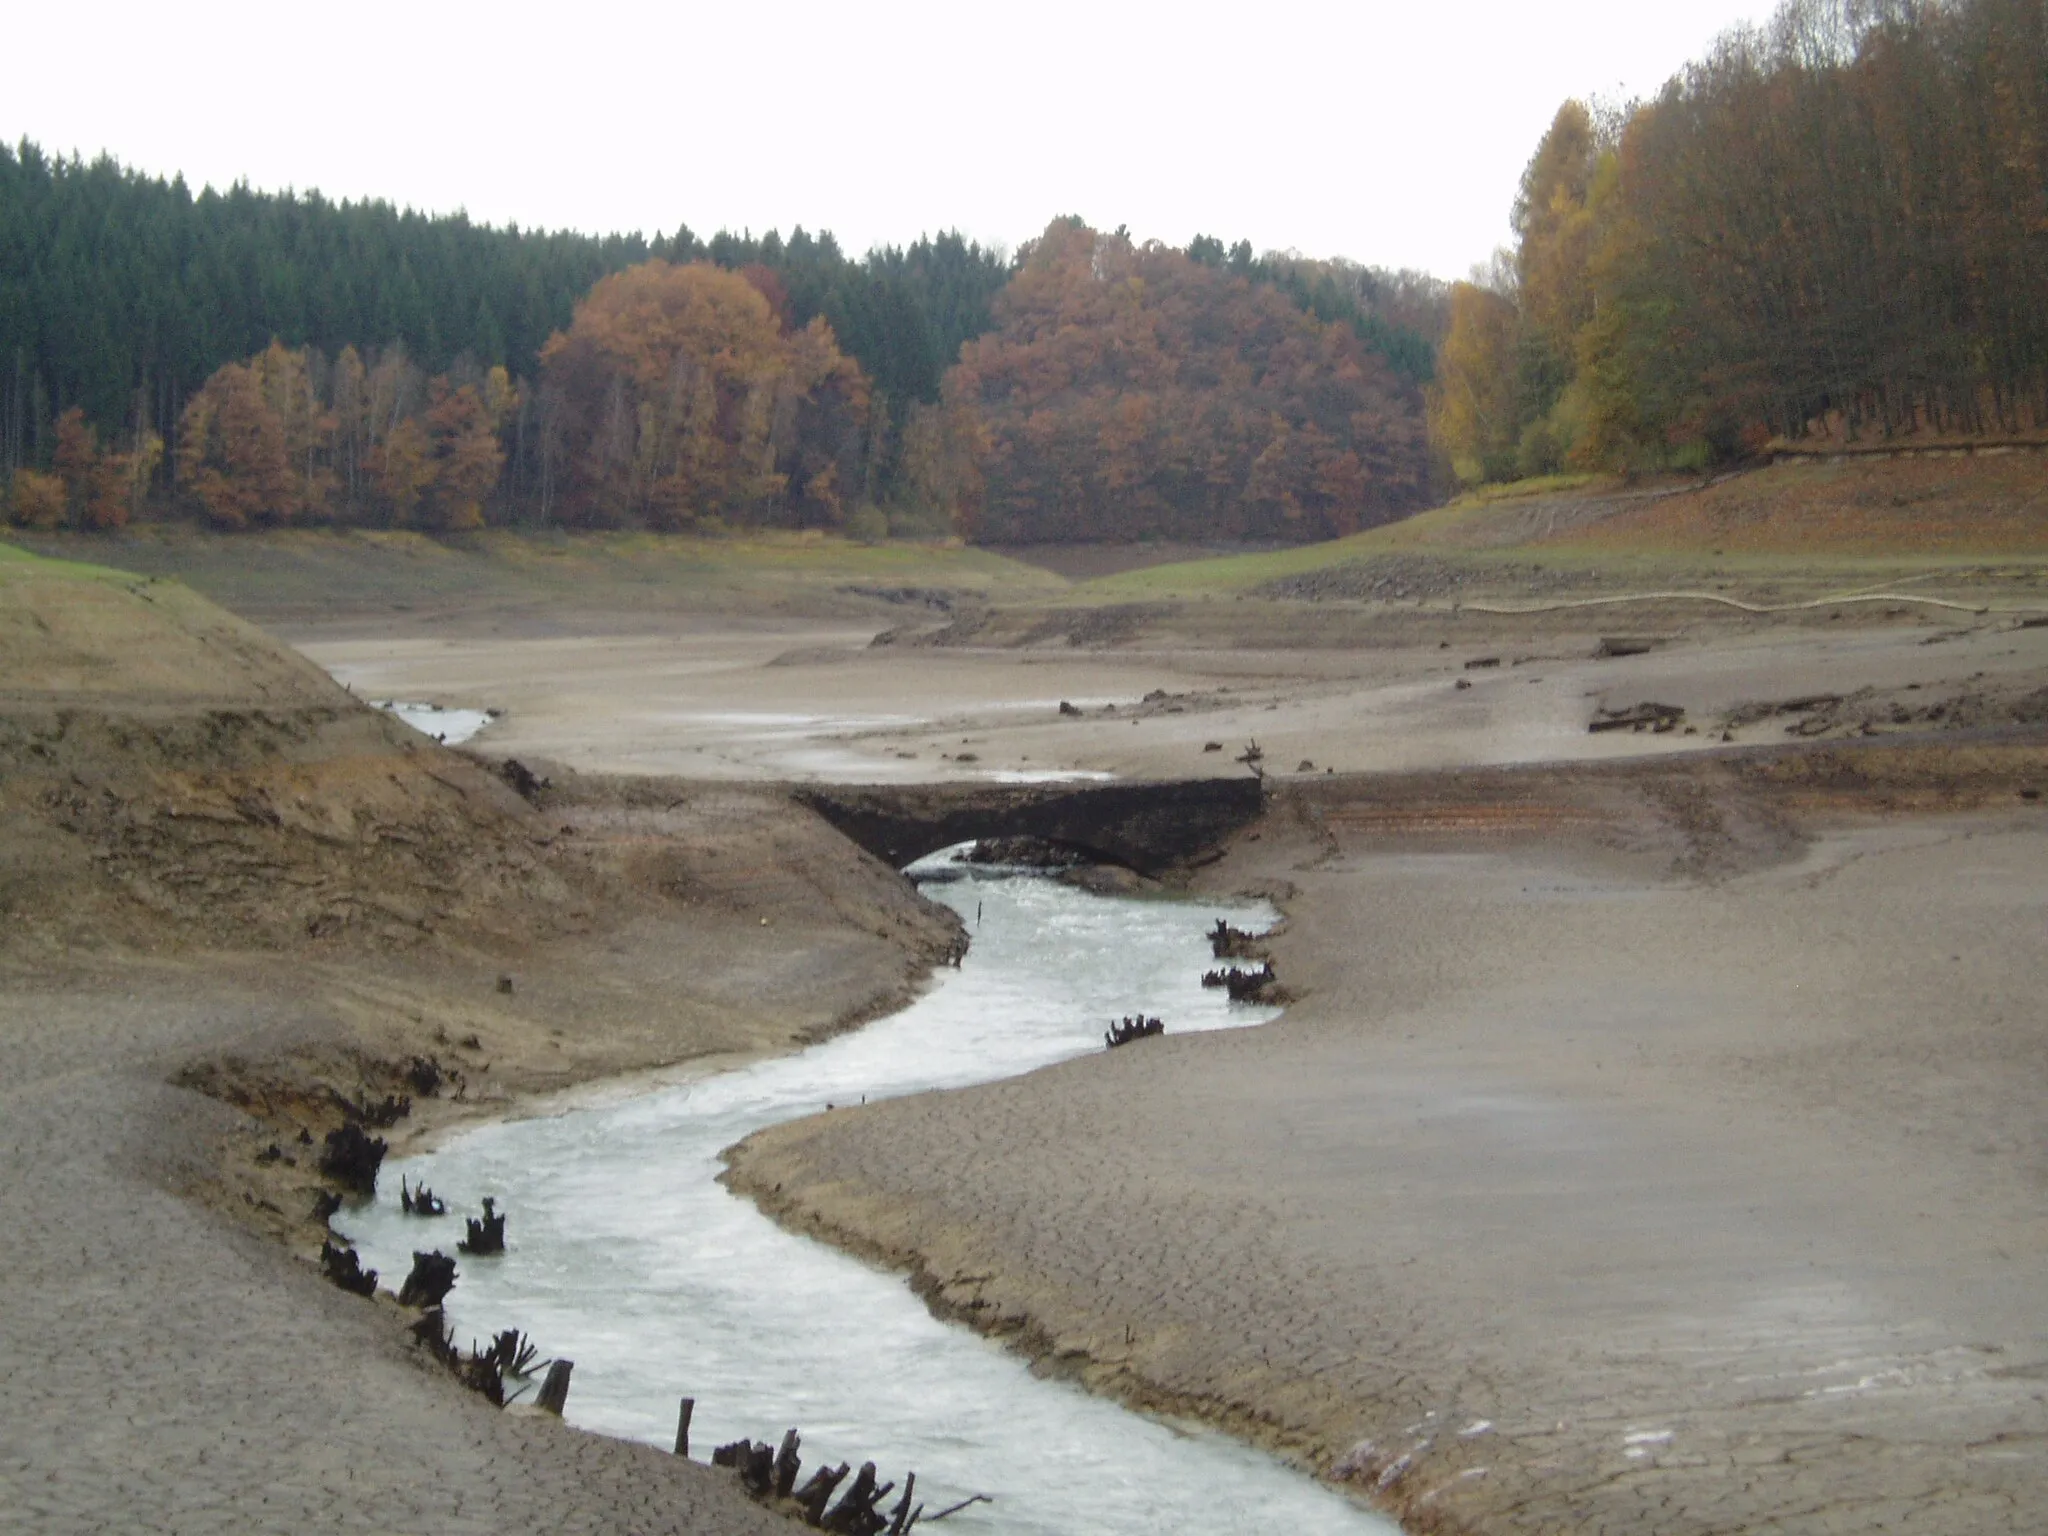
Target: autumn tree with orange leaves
point(288, 437)
point(683, 398)
point(1129, 391)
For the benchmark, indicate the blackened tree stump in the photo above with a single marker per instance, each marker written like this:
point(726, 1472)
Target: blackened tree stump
point(432, 1278)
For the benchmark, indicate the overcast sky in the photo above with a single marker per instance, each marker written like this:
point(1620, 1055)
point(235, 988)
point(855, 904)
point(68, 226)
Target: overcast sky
point(1391, 133)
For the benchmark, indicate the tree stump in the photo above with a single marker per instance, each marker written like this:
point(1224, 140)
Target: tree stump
point(432, 1278)
point(855, 1505)
point(815, 1493)
point(488, 1235)
point(342, 1266)
point(787, 1464)
point(351, 1158)
point(420, 1202)
point(554, 1392)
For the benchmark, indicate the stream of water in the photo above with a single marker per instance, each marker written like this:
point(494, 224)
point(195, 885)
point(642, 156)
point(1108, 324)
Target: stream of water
point(447, 725)
point(624, 1254)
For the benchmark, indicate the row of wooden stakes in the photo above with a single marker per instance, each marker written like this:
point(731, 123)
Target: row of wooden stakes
point(768, 1474)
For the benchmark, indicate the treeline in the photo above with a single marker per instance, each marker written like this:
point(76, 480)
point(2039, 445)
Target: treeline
point(1125, 391)
point(263, 359)
point(121, 294)
point(1835, 226)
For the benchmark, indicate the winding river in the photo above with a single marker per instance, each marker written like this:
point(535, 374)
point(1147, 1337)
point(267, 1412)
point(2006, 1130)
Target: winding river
point(625, 1255)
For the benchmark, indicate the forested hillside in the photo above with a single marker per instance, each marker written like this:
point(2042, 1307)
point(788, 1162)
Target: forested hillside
point(349, 362)
point(1835, 227)
point(122, 294)
point(1831, 230)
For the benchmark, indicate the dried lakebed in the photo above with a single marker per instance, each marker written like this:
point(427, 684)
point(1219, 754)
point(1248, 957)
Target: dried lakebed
point(625, 1255)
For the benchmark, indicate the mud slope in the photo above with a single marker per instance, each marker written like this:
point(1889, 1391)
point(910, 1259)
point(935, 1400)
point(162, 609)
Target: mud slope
point(219, 872)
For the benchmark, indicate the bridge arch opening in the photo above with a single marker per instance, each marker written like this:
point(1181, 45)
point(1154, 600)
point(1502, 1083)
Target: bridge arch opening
point(1017, 850)
point(1149, 828)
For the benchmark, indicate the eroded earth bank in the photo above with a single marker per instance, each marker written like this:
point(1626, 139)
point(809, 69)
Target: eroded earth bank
point(237, 905)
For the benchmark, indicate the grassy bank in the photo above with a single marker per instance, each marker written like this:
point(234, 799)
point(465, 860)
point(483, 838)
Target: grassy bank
point(311, 576)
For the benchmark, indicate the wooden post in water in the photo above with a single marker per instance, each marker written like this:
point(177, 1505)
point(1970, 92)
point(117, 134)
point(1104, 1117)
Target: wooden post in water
point(683, 1426)
point(554, 1392)
point(787, 1464)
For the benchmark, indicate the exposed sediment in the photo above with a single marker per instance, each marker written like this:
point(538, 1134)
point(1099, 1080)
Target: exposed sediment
point(1648, 1151)
point(239, 910)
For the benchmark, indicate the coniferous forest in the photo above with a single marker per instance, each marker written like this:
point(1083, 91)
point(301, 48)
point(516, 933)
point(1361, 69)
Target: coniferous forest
point(1834, 227)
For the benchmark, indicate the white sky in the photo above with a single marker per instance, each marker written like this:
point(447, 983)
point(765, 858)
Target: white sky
point(1389, 133)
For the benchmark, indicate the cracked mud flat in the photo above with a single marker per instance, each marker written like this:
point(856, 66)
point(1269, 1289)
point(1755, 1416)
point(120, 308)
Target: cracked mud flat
point(1653, 1157)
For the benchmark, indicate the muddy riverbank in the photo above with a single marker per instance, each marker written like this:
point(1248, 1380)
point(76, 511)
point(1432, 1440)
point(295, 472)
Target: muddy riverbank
point(1648, 1156)
point(236, 904)
point(1665, 1129)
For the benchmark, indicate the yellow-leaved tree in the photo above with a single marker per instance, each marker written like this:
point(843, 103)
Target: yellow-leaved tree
point(1472, 416)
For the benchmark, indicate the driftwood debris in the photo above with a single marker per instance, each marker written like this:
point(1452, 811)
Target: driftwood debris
point(1129, 1029)
point(753, 1460)
point(787, 1464)
point(481, 1373)
point(954, 1509)
point(341, 1265)
point(432, 1278)
point(817, 1493)
point(1242, 985)
point(514, 1352)
point(769, 1474)
point(1228, 943)
point(420, 1202)
point(486, 1236)
point(351, 1158)
point(1627, 645)
point(1660, 718)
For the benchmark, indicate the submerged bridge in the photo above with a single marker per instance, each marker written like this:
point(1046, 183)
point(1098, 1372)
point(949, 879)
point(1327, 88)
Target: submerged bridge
point(1150, 827)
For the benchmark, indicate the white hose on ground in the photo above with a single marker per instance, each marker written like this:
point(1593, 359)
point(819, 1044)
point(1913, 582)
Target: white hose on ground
point(1735, 602)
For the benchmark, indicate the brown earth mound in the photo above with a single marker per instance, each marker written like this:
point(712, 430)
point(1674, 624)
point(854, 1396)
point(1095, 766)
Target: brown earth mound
point(219, 872)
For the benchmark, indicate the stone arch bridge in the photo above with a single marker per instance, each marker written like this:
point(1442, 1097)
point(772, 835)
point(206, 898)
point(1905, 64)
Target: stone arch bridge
point(1150, 827)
